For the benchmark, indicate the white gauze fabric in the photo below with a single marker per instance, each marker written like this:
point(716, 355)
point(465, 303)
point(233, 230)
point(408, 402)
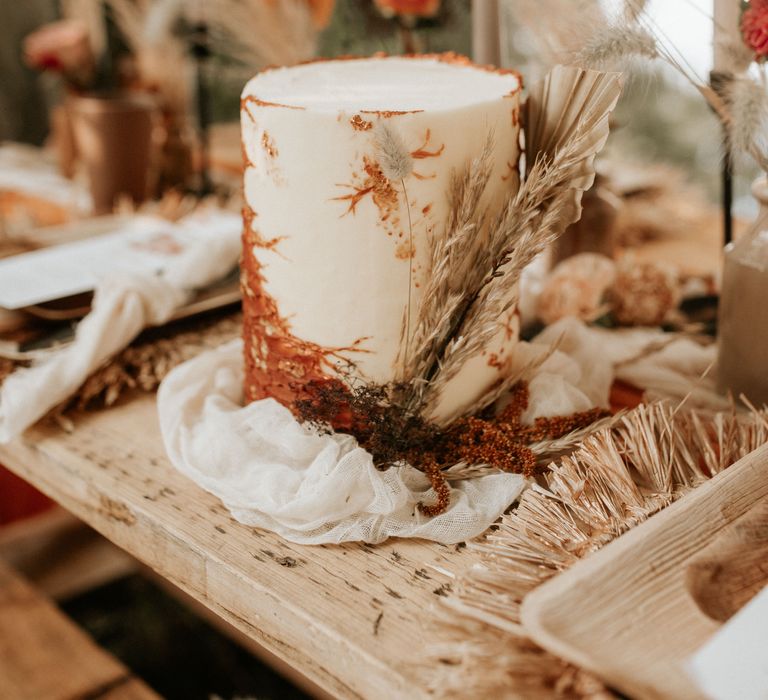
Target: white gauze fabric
point(122, 307)
point(272, 472)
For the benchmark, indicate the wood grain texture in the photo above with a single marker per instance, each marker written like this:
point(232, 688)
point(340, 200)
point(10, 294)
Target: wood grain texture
point(733, 568)
point(626, 612)
point(45, 655)
point(352, 618)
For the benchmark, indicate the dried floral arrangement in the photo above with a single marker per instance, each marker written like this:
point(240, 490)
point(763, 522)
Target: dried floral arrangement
point(258, 34)
point(620, 476)
point(476, 265)
point(161, 59)
point(738, 98)
point(72, 46)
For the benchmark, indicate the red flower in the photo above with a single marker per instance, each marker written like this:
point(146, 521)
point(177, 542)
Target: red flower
point(61, 46)
point(754, 27)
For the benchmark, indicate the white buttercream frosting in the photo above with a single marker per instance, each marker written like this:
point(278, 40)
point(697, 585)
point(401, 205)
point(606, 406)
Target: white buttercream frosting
point(339, 269)
point(391, 84)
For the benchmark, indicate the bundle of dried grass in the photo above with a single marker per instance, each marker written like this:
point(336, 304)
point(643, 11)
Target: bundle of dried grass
point(162, 61)
point(619, 477)
point(476, 265)
point(740, 100)
point(260, 33)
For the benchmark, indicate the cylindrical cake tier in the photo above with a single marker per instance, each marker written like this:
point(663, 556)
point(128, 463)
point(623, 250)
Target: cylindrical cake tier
point(334, 251)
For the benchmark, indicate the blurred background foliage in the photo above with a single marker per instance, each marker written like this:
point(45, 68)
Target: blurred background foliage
point(659, 119)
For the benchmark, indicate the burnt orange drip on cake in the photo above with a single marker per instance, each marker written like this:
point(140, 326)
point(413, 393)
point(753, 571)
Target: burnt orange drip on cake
point(277, 363)
point(388, 113)
point(375, 183)
point(360, 124)
point(268, 144)
point(252, 99)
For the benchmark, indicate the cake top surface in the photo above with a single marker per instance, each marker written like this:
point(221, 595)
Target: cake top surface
point(383, 84)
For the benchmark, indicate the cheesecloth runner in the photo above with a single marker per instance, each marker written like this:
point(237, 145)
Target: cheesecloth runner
point(272, 472)
point(122, 307)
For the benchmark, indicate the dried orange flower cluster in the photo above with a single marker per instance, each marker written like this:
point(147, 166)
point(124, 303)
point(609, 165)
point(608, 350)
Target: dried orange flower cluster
point(393, 433)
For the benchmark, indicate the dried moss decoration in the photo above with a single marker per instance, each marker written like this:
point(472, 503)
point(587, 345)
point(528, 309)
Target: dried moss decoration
point(379, 418)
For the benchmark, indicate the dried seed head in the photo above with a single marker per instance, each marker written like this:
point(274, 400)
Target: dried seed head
point(616, 44)
point(392, 154)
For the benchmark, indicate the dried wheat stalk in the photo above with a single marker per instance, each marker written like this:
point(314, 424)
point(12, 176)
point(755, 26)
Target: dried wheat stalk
point(459, 320)
point(258, 33)
point(161, 58)
point(620, 476)
point(458, 263)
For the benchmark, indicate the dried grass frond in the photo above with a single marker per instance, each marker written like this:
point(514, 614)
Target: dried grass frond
point(620, 476)
point(615, 45)
point(633, 9)
point(458, 260)
point(392, 154)
point(259, 34)
point(162, 61)
point(747, 101)
point(527, 225)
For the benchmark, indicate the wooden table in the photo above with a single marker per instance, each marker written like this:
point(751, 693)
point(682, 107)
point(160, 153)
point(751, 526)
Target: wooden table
point(351, 618)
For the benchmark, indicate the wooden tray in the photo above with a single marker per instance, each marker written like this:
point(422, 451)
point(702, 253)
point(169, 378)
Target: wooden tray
point(635, 611)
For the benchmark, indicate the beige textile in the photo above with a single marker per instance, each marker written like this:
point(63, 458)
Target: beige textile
point(123, 306)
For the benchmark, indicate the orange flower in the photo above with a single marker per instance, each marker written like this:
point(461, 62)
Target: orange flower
point(414, 8)
point(321, 10)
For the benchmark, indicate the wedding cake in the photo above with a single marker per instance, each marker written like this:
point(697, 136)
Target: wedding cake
point(335, 249)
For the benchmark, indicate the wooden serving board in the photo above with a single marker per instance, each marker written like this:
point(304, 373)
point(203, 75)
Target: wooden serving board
point(635, 611)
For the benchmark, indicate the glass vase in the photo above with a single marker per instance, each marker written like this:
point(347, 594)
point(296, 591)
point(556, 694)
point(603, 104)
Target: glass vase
point(743, 314)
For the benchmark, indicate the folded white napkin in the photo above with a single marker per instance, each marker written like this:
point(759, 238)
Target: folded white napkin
point(122, 307)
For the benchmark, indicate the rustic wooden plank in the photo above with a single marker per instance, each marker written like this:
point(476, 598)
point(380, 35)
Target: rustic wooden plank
point(629, 612)
point(60, 555)
point(352, 618)
point(45, 655)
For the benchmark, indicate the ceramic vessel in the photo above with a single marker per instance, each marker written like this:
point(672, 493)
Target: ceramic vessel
point(114, 137)
point(743, 316)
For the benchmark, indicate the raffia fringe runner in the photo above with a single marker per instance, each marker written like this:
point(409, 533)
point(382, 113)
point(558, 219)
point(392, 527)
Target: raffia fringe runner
point(618, 478)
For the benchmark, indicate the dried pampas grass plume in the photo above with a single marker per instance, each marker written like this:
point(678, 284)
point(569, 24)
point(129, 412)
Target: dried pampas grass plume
point(616, 45)
point(392, 154)
point(747, 101)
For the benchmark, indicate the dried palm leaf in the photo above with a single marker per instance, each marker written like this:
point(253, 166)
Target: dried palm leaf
point(258, 33)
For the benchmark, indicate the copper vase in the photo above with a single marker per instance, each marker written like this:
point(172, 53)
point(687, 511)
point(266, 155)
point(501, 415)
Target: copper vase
point(114, 140)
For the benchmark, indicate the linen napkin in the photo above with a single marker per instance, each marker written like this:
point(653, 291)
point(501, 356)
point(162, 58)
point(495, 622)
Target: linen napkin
point(123, 306)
